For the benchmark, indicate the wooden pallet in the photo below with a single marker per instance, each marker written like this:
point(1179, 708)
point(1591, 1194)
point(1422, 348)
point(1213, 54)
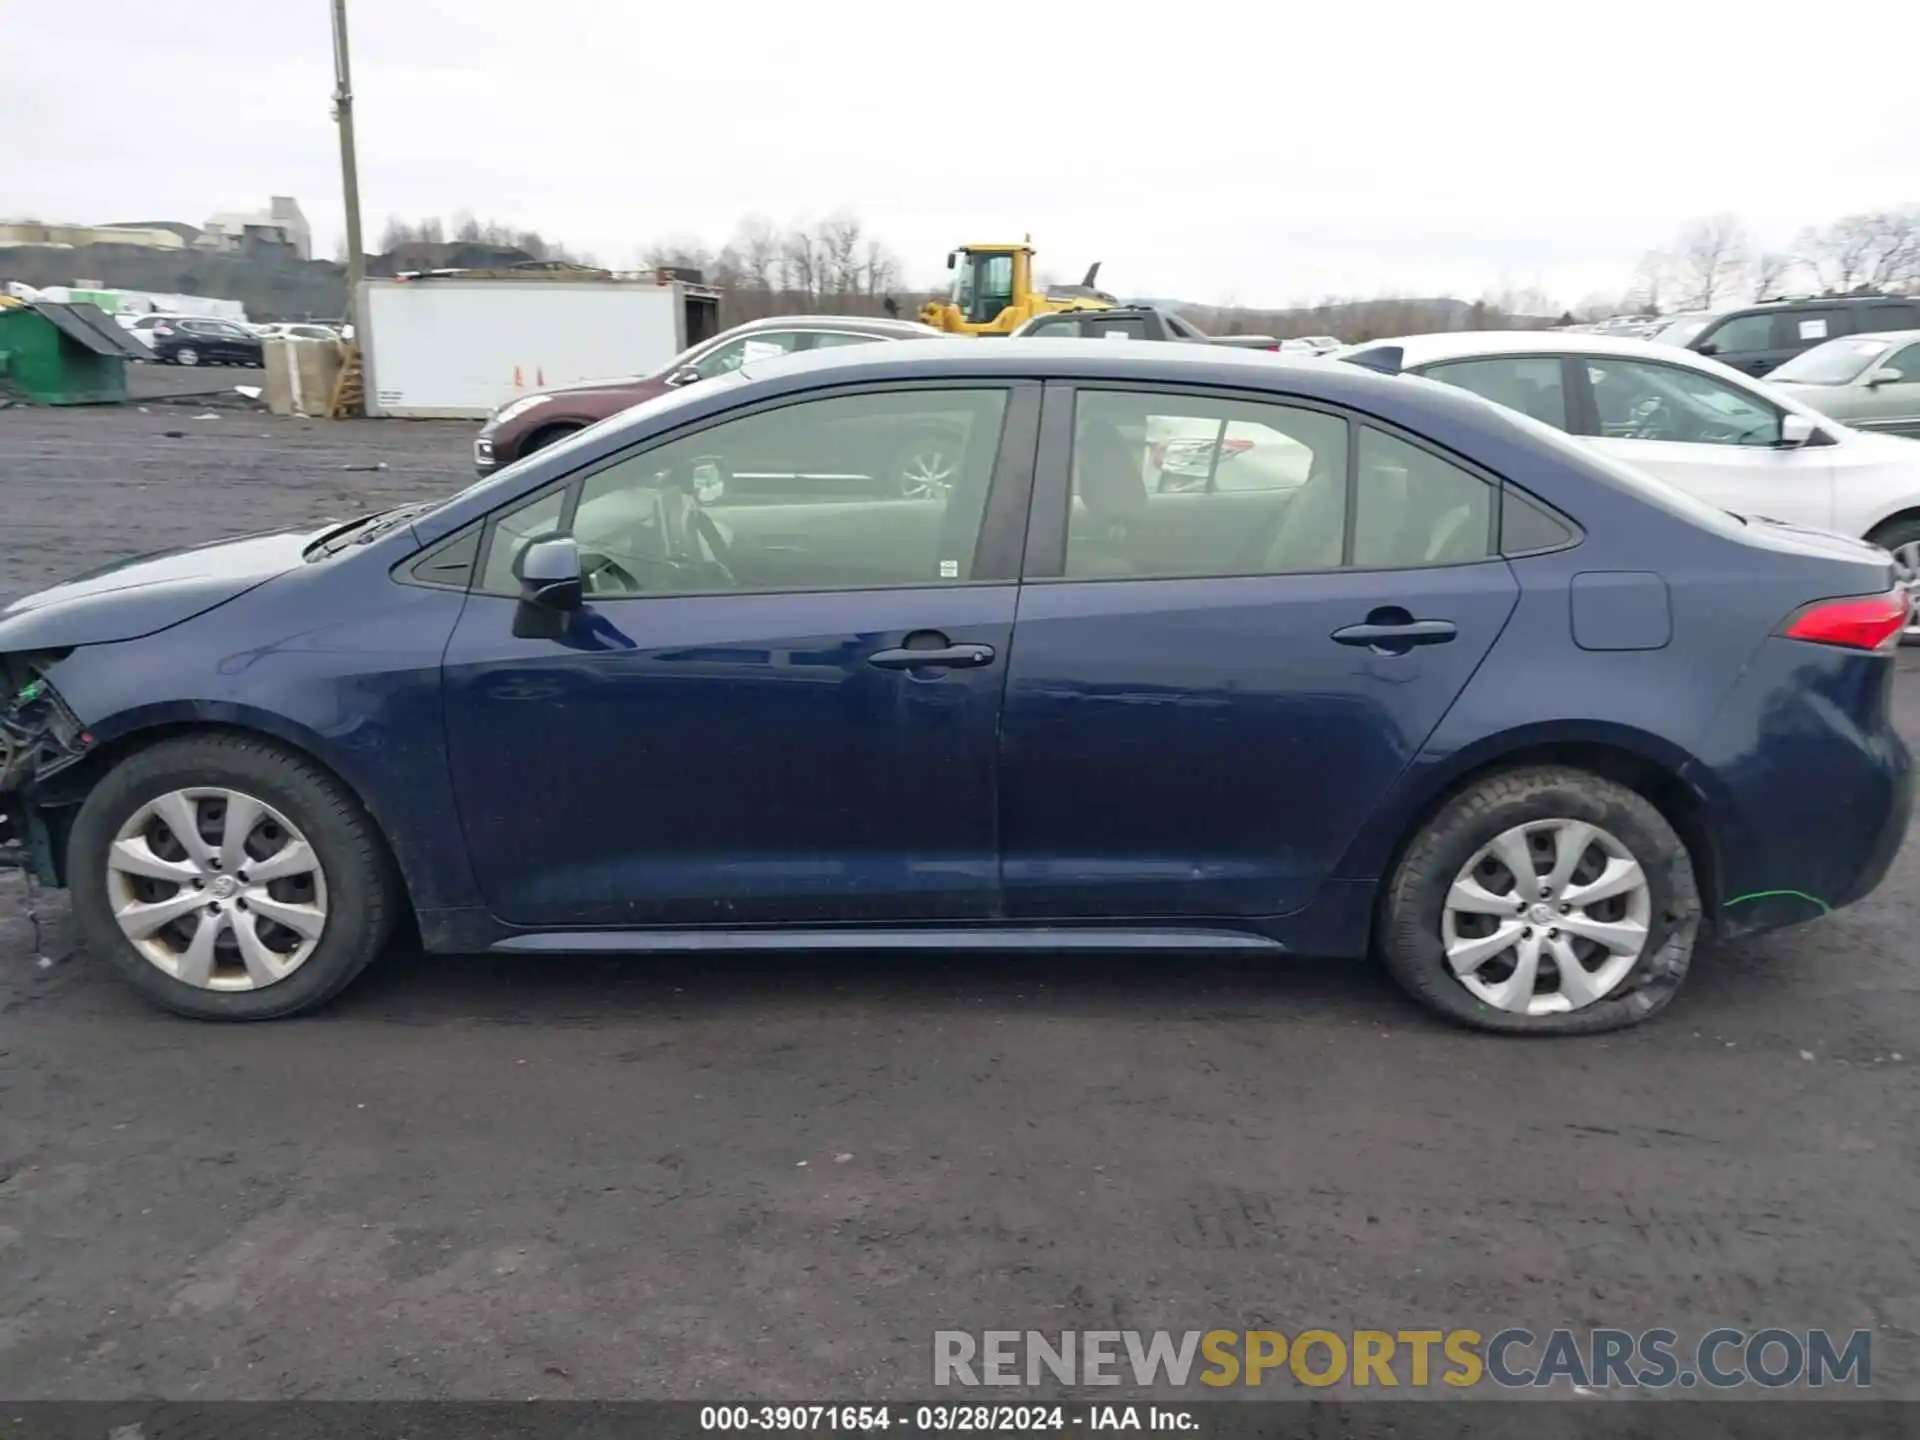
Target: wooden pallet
point(349, 387)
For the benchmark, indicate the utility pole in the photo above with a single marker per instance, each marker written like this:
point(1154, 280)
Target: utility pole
point(349, 175)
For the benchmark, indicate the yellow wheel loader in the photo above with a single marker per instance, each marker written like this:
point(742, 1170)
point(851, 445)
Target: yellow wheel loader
point(993, 292)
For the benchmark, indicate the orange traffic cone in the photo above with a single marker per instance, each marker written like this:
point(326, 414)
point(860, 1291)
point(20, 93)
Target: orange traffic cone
point(540, 378)
point(518, 382)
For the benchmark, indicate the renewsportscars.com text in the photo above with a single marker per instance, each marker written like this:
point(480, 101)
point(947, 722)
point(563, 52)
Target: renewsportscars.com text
point(1513, 1358)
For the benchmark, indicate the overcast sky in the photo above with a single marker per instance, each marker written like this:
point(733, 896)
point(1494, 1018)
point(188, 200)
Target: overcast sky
point(1267, 151)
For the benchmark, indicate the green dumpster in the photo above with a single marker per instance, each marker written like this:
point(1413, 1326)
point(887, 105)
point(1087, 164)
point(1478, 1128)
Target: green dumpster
point(55, 354)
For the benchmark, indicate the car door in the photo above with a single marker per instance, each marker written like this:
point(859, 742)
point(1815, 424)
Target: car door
point(1705, 434)
point(780, 712)
point(1211, 690)
point(1891, 405)
point(1749, 342)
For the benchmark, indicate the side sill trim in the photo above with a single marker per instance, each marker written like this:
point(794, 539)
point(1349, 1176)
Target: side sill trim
point(1038, 937)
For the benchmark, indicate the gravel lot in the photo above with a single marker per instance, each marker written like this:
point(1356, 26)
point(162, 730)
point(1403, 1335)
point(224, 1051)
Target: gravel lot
point(504, 1178)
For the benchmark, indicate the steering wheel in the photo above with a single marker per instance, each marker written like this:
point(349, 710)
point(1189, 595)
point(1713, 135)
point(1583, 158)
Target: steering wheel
point(603, 575)
point(1652, 420)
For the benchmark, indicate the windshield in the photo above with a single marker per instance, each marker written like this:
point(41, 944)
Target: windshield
point(1681, 329)
point(1834, 363)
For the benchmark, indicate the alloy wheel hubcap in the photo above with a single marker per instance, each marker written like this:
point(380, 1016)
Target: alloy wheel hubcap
point(926, 474)
point(217, 889)
point(1906, 569)
point(1546, 918)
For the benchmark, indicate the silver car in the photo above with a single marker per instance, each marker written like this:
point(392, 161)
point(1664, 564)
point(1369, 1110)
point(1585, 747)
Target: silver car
point(1872, 381)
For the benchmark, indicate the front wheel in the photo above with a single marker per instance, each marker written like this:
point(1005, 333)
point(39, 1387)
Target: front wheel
point(227, 879)
point(1543, 901)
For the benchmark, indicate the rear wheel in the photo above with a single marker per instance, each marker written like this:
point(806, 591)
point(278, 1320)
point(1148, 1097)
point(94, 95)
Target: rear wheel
point(1543, 901)
point(924, 467)
point(229, 880)
point(186, 355)
point(1902, 537)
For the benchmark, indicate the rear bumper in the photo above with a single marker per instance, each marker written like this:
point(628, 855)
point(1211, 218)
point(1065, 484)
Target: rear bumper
point(1809, 786)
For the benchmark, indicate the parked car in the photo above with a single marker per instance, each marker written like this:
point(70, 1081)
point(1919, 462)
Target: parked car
point(1757, 339)
point(1735, 442)
point(189, 340)
point(295, 330)
point(1521, 719)
point(533, 421)
point(1132, 322)
point(142, 327)
point(1870, 381)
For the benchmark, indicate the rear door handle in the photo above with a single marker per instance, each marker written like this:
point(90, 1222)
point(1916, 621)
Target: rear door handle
point(1398, 636)
point(950, 657)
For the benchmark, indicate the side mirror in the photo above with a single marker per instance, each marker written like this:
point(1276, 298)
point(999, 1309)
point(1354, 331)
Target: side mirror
point(1795, 431)
point(550, 588)
point(1706, 348)
point(1885, 375)
point(685, 375)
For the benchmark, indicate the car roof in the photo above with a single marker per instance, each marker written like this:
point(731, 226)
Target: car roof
point(857, 324)
point(1452, 344)
point(1472, 344)
point(1797, 302)
point(1040, 357)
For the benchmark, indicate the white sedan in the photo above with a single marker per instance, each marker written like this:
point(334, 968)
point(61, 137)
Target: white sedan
point(1704, 427)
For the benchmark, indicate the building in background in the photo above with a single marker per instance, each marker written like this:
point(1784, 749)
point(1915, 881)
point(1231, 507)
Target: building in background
point(280, 223)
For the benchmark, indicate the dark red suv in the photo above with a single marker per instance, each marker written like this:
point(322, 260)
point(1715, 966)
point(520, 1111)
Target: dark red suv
point(527, 423)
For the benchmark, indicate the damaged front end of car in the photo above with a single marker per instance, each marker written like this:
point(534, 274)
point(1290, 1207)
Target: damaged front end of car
point(39, 738)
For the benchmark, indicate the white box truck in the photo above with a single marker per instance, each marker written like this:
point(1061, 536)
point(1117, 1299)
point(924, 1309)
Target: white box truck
point(457, 344)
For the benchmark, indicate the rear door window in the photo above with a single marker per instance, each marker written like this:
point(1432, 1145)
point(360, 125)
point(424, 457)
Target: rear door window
point(1743, 334)
point(1802, 329)
point(1531, 384)
point(1894, 315)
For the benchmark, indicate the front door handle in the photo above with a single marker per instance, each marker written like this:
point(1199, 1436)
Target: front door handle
point(950, 657)
point(1397, 635)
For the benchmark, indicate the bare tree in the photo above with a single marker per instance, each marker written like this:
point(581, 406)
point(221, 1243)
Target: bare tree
point(1878, 250)
point(881, 267)
point(679, 252)
point(1714, 255)
point(803, 265)
point(839, 251)
point(758, 246)
point(1653, 283)
point(1770, 271)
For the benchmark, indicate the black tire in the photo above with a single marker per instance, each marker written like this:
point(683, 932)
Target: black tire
point(363, 887)
point(1409, 932)
point(185, 355)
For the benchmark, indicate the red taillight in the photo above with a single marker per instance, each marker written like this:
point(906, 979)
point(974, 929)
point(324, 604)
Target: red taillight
point(1870, 623)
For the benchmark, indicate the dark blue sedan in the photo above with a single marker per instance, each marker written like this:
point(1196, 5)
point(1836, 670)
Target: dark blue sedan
point(1176, 649)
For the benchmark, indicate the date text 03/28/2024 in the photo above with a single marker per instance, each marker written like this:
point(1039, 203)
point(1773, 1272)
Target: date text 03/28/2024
point(947, 1419)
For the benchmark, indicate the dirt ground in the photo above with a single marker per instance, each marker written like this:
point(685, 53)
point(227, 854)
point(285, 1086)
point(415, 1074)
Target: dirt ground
point(700, 1178)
